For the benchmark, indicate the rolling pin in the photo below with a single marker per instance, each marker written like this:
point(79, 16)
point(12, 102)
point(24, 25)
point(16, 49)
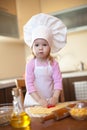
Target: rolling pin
point(58, 114)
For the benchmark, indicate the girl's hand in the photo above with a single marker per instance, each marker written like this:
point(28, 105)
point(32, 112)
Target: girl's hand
point(43, 102)
point(53, 100)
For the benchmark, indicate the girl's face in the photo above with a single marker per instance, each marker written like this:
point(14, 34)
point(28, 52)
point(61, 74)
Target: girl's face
point(41, 48)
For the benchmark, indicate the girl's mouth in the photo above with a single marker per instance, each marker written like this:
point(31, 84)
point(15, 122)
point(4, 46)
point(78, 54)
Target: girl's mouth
point(40, 52)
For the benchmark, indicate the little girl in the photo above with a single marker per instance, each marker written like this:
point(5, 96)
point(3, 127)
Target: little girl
point(44, 34)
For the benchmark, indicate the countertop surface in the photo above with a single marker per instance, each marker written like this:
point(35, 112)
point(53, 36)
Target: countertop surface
point(68, 74)
point(8, 83)
point(64, 124)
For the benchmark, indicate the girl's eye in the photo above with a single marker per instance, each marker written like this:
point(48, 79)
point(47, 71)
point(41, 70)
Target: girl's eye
point(36, 45)
point(44, 44)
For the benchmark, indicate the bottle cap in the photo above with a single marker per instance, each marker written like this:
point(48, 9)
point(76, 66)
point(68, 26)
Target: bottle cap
point(15, 92)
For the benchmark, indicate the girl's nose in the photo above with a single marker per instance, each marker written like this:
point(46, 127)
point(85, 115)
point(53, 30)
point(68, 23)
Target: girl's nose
point(40, 47)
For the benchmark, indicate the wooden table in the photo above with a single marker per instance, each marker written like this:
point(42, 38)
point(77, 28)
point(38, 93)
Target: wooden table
point(65, 124)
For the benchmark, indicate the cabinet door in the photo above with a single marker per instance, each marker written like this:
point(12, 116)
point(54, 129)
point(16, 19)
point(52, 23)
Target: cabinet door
point(66, 88)
point(71, 84)
point(68, 85)
point(2, 96)
point(8, 94)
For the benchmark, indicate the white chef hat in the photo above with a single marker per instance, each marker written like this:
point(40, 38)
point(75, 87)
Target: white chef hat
point(46, 27)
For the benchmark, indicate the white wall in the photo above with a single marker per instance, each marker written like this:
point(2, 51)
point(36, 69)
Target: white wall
point(12, 51)
point(76, 48)
point(74, 52)
point(12, 58)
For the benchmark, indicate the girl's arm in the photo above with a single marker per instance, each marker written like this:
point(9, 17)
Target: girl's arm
point(40, 100)
point(54, 99)
point(57, 78)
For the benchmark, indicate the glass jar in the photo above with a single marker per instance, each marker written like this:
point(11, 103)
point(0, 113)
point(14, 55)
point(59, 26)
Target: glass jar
point(19, 118)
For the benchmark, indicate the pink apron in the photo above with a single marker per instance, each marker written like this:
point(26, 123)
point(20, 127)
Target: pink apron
point(43, 83)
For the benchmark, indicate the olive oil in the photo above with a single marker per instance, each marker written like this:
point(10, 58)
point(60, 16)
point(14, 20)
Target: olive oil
point(19, 118)
point(20, 121)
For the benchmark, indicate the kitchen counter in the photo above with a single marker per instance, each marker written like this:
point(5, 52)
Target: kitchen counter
point(65, 124)
point(69, 74)
point(8, 83)
point(6, 87)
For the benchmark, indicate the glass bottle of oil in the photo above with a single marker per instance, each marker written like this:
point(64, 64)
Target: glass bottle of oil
point(19, 118)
